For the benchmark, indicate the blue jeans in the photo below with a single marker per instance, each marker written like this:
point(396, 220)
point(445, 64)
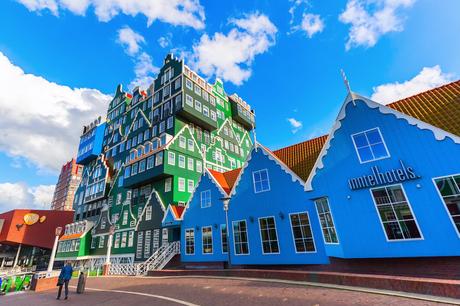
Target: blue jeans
point(66, 285)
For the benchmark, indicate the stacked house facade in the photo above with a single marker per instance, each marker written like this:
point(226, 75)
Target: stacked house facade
point(147, 155)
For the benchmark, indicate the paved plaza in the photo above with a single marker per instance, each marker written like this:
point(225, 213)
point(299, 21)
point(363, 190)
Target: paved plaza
point(129, 291)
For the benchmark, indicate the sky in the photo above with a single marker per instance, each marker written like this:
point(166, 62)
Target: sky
point(61, 60)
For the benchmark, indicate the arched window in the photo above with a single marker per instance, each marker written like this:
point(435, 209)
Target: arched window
point(140, 151)
point(148, 147)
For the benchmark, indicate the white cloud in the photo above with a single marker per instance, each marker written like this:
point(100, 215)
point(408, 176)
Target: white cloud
point(19, 195)
point(229, 56)
point(130, 40)
point(370, 19)
point(311, 24)
point(165, 41)
point(176, 12)
point(41, 120)
point(296, 125)
point(428, 78)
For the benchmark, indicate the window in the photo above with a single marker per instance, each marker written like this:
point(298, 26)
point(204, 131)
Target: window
point(188, 84)
point(181, 161)
point(370, 145)
point(177, 84)
point(199, 166)
point(240, 237)
point(171, 158)
point(223, 236)
point(190, 145)
point(131, 239)
point(189, 100)
point(261, 181)
point(125, 217)
point(197, 90)
point(449, 190)
point(93, 242)
point(301, 232)
point(190, 163)
point(181, 184)
point(101, 241)
point(117, 202)
point(198, 105)
point(123, 239)
point(190, 241)
point(161, 129)
point(148, 213)
point(205, 110)
point(395, 213)
point(150, 162)
point(169, 123)
point(148, 238)
point(168, 184)
point(206, 238)
point(142, 166)
point(327, 223)
point(190, 186)
point(159, 159)
point(103, 222)
point(140, 239)
point(268, 235)
point(182, 142)
point(205, 197)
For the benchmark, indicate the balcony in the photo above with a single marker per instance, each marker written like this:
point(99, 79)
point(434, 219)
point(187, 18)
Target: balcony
point(241, 112)
point(193, 115)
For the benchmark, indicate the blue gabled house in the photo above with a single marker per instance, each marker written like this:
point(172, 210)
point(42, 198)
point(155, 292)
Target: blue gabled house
point(387, 184)
point(203, 228)
point(272, 220)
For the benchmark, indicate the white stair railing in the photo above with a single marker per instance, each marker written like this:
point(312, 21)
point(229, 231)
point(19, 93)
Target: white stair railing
point(162, 260)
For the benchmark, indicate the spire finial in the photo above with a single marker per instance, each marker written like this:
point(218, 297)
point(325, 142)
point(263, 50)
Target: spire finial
point(347, 85)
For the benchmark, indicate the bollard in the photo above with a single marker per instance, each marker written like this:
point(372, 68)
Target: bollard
point(81, 283)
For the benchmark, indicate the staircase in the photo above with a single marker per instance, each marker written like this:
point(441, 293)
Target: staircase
point(157, 261)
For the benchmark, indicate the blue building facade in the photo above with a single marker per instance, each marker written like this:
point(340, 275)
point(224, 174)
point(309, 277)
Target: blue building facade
point(91, 142)
point(272, 221)
point(203, 228)
point(387, 185)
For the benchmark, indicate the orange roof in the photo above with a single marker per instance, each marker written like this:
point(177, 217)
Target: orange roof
point(71, 236)
point(439, 107)
point(177, 211)
point(227, 179)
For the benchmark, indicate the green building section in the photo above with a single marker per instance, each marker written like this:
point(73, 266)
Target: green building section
point(156, 146)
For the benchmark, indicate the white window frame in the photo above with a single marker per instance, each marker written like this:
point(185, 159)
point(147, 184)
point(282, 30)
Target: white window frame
point(182, 142)
point(203, 196)
point(444, 202)
point(261, 240)
point(179, 180)
point(254, 181)
point(190, 163)
point(222, 238)
point(233, 238)
point(168, 184)
point(311, 230)
point(193, 240)
point(171, 158)
point(181, 162)
point(202, 240)
point(332, 218)
point(411, 211)
point(383, 141)
point(190, 185)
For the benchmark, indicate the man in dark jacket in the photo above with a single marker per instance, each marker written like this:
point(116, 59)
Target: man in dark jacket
point(64, 278)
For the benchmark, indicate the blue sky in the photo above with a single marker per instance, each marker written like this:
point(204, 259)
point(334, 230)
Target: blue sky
point(60, 61)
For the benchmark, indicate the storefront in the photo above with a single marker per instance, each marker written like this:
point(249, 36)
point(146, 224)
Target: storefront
point(27, 236)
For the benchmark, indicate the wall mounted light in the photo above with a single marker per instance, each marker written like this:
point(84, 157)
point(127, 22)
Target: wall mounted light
point(418, 186)
point(281, 214)
point(197, 228)
point(348, 197)
point(251, 219)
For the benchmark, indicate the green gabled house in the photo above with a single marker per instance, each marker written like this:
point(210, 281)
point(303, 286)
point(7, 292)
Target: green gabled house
point(156, 144)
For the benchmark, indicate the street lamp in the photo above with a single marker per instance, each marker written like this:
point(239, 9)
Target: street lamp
point(57, 233)
point(226, 201)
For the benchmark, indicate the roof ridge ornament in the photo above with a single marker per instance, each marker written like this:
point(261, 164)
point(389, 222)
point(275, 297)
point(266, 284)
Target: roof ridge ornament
point(347, 86)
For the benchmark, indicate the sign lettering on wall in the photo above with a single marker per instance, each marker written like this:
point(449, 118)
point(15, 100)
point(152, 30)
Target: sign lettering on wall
point(378, 178)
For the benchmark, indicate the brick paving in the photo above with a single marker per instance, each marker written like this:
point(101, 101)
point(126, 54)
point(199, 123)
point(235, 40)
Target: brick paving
point(202, 291)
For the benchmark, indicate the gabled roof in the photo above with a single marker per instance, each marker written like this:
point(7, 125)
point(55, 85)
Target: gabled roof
point(301, 157)
point(227, 179)
point(439, 107)
point(175, 212)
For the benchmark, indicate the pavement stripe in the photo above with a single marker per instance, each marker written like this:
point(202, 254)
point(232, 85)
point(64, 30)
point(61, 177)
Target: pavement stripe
point(423, 297)
point(181, 302)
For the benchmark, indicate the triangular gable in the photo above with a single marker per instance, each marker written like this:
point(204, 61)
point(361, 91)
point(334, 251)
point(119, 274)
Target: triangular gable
point(181, 131)
point(153, 194)
point(272, 157)
point(97, 227)
point(438, 133)
point(173, 215)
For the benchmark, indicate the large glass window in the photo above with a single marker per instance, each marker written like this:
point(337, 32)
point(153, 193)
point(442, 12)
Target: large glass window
point(261, 181)
point(449, 189)
point(206, 238)
point(395, 213)
point(223, 236)
point(205, 198)
point(268, 235)
point(240, 237)
point(327, 223)
point(190, 241)
point(370, 145)
point(301, 232)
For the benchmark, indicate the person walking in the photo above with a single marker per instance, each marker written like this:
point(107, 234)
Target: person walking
point(63, 280)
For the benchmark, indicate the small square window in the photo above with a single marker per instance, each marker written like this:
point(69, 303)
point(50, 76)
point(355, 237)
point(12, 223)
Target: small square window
point(370, 145)
point(261, 181)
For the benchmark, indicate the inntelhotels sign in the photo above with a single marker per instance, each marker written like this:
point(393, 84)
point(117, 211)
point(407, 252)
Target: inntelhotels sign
point(378, 178)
